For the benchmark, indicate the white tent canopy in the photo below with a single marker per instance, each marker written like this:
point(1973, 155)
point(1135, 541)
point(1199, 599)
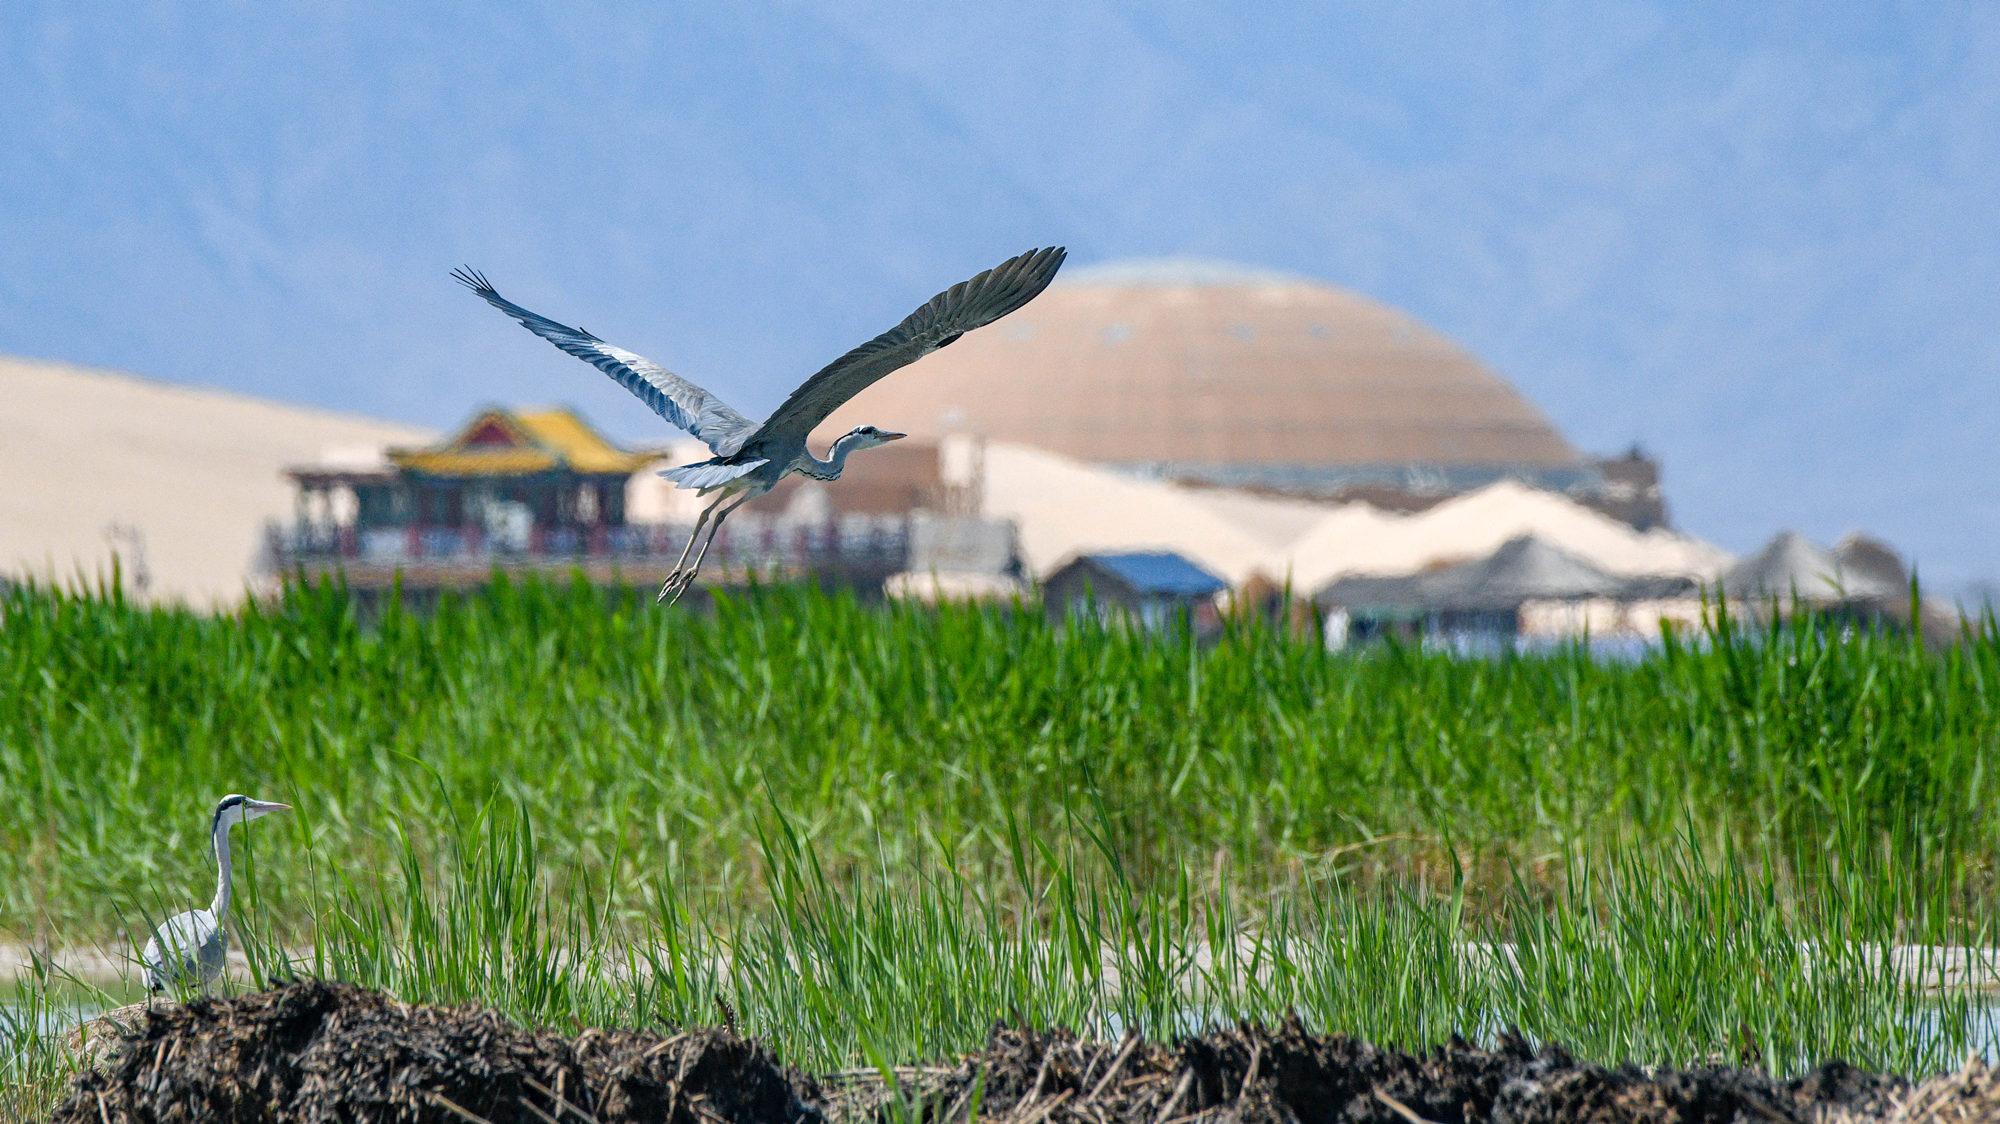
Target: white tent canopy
point(1791, 566)
point(1064, 507)
point(1476, 524)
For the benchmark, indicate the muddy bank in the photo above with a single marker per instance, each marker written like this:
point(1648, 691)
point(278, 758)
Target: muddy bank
point(327, 1052)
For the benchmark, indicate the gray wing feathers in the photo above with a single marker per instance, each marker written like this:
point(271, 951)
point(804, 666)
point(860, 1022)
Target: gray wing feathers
point(670, 396)
point(187, 948)
point(945, 317)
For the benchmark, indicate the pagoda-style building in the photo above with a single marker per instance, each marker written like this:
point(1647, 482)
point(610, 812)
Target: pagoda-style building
point(532, 490)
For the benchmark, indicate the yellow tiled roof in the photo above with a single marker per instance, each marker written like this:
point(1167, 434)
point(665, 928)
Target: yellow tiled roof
point(476, 462)
point(547, 439)
point(572, 438)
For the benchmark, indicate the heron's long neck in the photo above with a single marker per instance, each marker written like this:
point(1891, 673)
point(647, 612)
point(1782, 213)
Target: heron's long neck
point(834, 464)
point(220, 905)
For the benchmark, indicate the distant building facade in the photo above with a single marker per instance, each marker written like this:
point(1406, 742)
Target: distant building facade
point(538, 490)
point(1625, 487)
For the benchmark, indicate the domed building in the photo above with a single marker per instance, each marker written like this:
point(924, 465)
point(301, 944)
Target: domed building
point(1212, 373)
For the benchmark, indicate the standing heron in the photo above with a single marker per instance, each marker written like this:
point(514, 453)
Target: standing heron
point(751, 456)
point(189, 948)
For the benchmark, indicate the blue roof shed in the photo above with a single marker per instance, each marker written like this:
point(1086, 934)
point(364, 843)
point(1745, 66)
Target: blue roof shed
point(1158, 589)
point(1157, 573)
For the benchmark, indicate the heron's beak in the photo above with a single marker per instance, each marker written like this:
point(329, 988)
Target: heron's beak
point(894, 436)
point(266, 807)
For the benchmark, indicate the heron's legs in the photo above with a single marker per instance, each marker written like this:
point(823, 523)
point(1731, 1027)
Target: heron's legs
point(698, 524)
point(685, 578)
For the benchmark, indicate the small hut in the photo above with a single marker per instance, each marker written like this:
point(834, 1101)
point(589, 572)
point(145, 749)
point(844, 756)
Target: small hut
point(1157, 590)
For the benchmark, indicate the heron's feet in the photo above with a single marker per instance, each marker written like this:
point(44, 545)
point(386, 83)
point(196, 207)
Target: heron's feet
point(676, 584)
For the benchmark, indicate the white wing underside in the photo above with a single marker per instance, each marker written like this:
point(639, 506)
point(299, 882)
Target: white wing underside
point(710, 474)
point(674, 398)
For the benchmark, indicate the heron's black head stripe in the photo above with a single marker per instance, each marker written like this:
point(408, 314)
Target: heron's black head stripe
point(228, 802)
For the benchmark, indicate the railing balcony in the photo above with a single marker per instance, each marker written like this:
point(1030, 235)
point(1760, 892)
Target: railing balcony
point(821, 544)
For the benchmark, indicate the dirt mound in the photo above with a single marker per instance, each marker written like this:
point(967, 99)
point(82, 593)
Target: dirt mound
point(1255, 1075)
point(1973, 1093)
point(313, 1052)
point(329, 1052)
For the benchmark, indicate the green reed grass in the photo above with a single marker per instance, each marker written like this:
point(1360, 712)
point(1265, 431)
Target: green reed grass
point(869, 832)
point(1662, 958)
point(34, 1059)
point(637, 738)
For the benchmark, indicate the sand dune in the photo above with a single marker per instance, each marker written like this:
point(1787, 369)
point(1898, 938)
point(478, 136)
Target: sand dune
point(95, 462)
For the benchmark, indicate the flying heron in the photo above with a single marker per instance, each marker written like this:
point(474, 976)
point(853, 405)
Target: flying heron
point(751, 456)
point(190, 947)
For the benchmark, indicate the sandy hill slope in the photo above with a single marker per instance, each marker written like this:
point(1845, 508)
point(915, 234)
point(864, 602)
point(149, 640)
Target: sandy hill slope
point(93, 462)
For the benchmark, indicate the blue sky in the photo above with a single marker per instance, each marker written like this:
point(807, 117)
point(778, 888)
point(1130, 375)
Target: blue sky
point(1762, 240)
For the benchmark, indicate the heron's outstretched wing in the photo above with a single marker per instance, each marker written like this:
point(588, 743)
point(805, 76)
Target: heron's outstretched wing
point(947, 316)
point(671, 396)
